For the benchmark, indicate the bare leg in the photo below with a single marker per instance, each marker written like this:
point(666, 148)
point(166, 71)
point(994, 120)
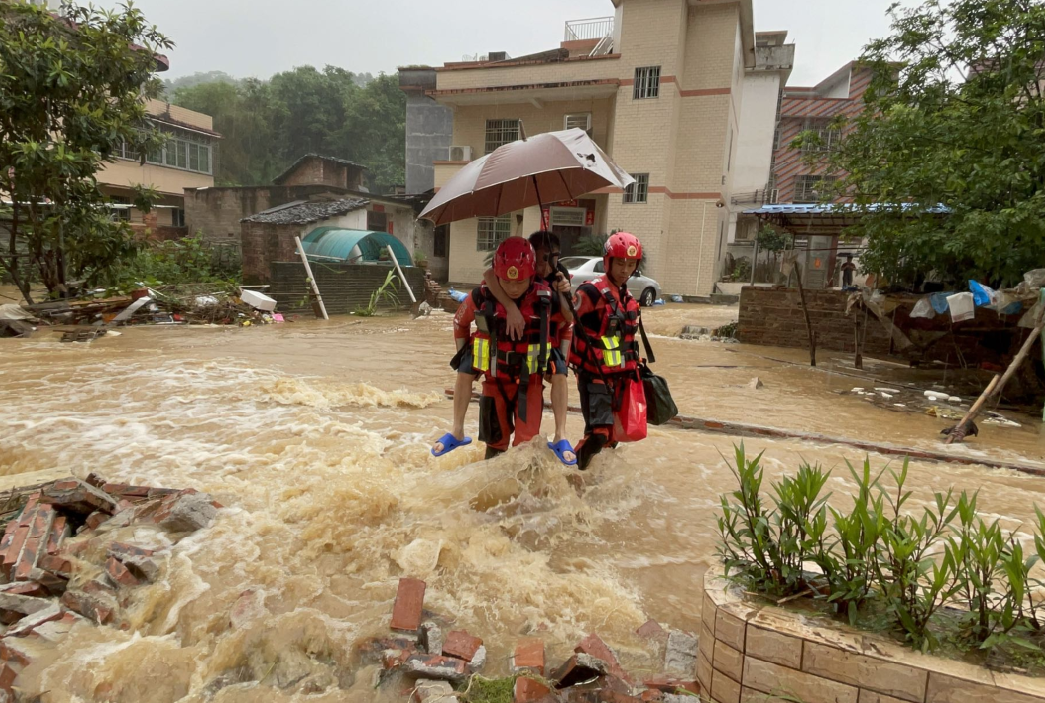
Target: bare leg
point(560, 401)
point(462, 397)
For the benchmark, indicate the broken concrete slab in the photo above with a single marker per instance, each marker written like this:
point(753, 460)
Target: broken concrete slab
point(578, 669)
point(26, 625)
point(186, 513)
point(409, 603)
point(93, 606)
point(478, 661)
point(23, 605)
point(431, 638)
point(430, 666)
point(681, 655)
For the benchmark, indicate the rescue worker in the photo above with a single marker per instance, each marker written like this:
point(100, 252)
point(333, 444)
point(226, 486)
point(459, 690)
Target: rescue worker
point(605, 349)
point(513, 370)
point(547, 248)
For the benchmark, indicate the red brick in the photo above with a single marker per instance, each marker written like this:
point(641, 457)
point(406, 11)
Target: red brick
point(593, 645)
point(651, 630)
point(126, 490)
point(652, 694)
point(409, 604)
point(92, 606)
point(11, 654)
point(95, 480)
point(527, 690)
point(95, 519)
point(56, 565)
point(120, 573)
point(24, 588)
point(30, 505)
point(461, 645)
point(78, 497)
point(529, 656)
point(58, 534)
point(7, 678)
point(11, 556)
point(98, 586)
point(9, 536)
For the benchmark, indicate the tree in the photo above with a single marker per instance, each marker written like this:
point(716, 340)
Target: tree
point(376, 136)
point(955, 117)
point(72, 90)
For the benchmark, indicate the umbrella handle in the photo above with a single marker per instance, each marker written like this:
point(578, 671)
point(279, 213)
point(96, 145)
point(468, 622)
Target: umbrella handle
point(540, 203)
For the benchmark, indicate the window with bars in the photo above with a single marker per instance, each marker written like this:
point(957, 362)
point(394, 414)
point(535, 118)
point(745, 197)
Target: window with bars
point(500, 132)
point(579, 120)
point(638, 191)
point(811, 189)
point(647, 82)
point(493, 231)
point(828, 139)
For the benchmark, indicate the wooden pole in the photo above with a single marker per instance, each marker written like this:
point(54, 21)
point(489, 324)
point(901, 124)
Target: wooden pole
point(998, 382)
point(858, 362)
point(317, 299)
point(805, 312)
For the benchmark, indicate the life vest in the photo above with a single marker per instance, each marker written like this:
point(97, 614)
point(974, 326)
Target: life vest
point(610, 345)
point(498, 356)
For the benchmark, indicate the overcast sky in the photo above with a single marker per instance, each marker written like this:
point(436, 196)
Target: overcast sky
point(262, 37)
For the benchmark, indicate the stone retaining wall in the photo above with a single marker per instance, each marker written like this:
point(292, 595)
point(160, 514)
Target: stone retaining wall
point(750, 652)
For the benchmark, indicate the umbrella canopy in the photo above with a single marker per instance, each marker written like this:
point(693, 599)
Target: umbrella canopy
point(547, 168)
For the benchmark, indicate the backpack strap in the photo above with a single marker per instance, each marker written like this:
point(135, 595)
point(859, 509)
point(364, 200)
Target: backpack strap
point(645, 343)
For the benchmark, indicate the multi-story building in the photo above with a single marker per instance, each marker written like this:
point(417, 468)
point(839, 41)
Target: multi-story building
point(797, 178)
point(659, 87)
point(186, 161)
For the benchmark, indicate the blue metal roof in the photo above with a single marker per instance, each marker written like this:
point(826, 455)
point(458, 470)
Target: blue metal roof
point(832, 208)
point(333, 243)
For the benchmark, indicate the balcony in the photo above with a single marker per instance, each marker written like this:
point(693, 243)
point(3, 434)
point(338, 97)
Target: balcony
point(595, 28)
point(765, 196)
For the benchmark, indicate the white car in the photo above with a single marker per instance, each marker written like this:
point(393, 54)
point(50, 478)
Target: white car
point(587, 268)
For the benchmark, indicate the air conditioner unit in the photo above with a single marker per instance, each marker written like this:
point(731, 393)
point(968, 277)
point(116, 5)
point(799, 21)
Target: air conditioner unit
point(460, 153)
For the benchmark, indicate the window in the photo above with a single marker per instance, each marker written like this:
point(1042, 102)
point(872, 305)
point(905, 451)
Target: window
point(377, 221)
point(177, 217)
point(600, 267)
point(811, 189)
point(580, 120)
point(442, 241)
point(647, 82)
point(120, 213)
point(638, 191)
point(828, 138)
point(493, 231)
point(500, 132)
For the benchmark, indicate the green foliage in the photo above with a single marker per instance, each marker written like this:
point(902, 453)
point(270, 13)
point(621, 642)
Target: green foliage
point(771, 239)
point(188, 260)
point(956, 117)
point(72, 91)
point(742, 270)
point(879, 556)
point(483, 690)
point(387, 291)
point(590, 246)
point(420, 257)
point(267, 125)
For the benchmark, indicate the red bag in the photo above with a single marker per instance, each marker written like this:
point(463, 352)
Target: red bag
point(629, 424)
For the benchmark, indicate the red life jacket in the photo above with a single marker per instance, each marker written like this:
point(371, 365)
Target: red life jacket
point(611, 328)
point(514, 359)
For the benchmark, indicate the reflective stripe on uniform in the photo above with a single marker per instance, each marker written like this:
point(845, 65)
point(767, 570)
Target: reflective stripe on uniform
point(481, 354)
point(533, 358)
point(611, 355)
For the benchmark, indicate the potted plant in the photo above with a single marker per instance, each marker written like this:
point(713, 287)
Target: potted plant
point(420, 259)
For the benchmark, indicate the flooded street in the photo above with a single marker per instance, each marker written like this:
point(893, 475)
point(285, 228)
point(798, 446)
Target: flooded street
point(316, 438)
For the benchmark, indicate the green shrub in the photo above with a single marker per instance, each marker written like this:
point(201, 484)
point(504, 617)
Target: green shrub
point(880, 557)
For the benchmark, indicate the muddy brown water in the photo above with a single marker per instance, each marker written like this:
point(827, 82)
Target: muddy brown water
point(316, 437)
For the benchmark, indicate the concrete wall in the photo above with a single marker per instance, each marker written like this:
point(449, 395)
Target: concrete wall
point(317, 171)
point(750, 651)
point(429, 134)
point(757, 127)
point(344, 287)
point(216, 212)
point(170, 181)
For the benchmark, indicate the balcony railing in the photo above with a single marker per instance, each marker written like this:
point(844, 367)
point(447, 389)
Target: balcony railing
point(595, 28)
point(765, 196)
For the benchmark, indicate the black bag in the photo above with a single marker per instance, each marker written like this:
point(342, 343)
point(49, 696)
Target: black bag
point(660, 407)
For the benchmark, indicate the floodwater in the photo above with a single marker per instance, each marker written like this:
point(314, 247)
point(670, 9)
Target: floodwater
point(315, 435)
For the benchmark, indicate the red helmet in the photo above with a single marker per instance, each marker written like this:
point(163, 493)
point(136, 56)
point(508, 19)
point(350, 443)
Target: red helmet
point(515, 260)
point(622, 245)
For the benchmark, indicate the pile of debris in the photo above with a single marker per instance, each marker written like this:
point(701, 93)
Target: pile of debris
point(431, 666)
point(64, 533)
point(165, 305)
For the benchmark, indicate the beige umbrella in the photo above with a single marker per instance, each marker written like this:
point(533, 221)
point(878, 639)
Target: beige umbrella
point(547, 168)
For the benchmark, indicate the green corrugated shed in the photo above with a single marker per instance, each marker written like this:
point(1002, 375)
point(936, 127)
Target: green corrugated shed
point(332, 243)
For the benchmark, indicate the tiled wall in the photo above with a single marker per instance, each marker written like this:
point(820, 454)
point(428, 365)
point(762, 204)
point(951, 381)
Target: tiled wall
point(752, 652)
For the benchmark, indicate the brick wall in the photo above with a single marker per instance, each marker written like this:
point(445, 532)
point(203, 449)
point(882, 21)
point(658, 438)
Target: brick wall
point(316, 171)
point(773, 316)
point(344, 287)
point(264, 244)
point(216, 212)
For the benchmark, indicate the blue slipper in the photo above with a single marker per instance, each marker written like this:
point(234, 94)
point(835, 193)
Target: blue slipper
point(450, 443)
point(560, 448)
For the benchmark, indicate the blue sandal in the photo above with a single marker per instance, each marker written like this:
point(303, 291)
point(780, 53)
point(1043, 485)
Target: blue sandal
point(560, 448)
point(450, 443)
